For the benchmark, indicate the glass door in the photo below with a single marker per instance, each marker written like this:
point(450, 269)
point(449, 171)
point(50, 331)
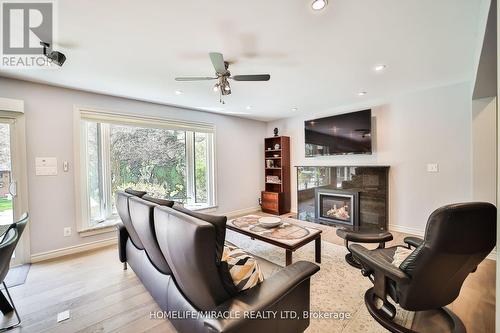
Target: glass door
point(13, 178)
point(7, 186)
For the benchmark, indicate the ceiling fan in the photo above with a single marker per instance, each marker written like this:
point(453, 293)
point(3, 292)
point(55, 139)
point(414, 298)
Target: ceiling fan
point(222, 75)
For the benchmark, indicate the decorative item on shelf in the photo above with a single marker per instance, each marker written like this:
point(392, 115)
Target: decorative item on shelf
point(273, 180)
point(276, 131)
point(269, 163)
point(277, 146)
point(269, 148)
point(276, 155)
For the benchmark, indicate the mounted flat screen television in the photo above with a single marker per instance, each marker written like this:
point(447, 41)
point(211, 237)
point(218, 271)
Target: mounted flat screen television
point(349, 133)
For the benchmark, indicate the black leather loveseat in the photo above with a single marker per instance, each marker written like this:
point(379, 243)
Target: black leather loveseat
point(174, 255)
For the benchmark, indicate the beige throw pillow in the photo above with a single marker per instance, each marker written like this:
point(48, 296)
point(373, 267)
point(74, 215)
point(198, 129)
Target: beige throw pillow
point(401, 254)
point(243, 268)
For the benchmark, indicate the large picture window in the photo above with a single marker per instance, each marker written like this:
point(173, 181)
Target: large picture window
point(166, 159)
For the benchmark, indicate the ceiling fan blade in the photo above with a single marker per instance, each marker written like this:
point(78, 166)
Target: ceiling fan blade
point(257, 77)
point(218, 62)
point(195, 78)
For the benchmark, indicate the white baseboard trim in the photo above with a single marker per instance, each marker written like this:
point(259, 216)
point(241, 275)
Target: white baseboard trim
point(244, 211)
point(72, 249)
point(407, 230)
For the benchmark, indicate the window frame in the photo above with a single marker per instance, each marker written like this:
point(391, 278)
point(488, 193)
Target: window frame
point(82, 203)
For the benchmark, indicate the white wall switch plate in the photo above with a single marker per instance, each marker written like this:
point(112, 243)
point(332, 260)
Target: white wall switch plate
point(46, 166)
point(432, 167)
point(62, 316)
point(67, 231)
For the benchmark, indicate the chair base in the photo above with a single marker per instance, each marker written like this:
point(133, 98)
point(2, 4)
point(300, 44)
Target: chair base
point(349, 258)
point(3, 329)
point(444, 316)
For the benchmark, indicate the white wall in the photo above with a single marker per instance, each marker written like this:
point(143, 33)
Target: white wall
point(431, 126)
point(49, 131)
point(484, 132)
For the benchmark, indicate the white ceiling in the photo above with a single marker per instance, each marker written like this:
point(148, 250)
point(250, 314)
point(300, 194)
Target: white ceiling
point(317, 60)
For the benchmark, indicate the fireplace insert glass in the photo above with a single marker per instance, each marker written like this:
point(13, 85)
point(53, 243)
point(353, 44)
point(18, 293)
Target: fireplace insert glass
point(336, 207)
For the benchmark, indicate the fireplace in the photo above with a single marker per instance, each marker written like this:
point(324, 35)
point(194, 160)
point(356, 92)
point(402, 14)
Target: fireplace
point(337, 207)
point(371, 183)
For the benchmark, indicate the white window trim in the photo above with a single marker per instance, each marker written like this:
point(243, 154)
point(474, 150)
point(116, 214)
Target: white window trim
point(99, 115)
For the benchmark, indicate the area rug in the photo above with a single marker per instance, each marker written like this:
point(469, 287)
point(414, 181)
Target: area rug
point(337, 287)
point(17, 275)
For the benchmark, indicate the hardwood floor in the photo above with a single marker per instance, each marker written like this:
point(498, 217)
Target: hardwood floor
point(102, 297)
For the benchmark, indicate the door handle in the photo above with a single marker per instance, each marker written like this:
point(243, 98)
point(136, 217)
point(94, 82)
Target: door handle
point(13, 189)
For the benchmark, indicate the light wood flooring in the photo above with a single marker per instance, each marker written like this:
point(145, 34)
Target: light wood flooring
point(102, 297)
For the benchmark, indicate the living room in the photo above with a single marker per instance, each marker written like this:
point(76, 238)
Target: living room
point(347, 151)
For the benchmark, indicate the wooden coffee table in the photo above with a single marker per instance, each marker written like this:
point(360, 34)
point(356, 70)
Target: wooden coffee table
point(291, 235)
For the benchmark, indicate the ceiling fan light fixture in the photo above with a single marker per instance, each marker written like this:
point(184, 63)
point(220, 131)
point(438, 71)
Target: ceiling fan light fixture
point(222, 75)
point(319, 4)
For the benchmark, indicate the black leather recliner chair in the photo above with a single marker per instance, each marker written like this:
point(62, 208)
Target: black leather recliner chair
point(174, 255)
point(457, 238)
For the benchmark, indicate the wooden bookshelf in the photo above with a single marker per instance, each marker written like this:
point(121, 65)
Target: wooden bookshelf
point(276, 198)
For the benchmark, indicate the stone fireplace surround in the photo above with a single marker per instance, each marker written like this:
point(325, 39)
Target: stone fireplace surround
point(370, 182)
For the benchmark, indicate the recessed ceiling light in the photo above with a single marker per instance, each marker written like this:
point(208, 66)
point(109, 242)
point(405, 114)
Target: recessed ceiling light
point(362, 93)
point(295, 108)
point(380, 67)
point(178, 92)
point(319, 4)
point(249, 107)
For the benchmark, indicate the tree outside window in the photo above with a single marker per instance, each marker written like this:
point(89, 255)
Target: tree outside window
point(166, 163)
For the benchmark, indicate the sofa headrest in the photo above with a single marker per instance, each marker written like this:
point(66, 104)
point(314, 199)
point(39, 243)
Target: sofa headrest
point(142, 217)
point(159, 201)
point(219, 223)
point(189, 244)
point(133, 192)
point(122, 206)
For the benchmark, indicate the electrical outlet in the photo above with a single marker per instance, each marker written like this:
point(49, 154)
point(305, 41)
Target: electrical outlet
point(62, 316)
point(432, 167)
point(67, 231)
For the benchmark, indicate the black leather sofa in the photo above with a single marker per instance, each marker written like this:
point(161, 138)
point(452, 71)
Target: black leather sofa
point(174, 255)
